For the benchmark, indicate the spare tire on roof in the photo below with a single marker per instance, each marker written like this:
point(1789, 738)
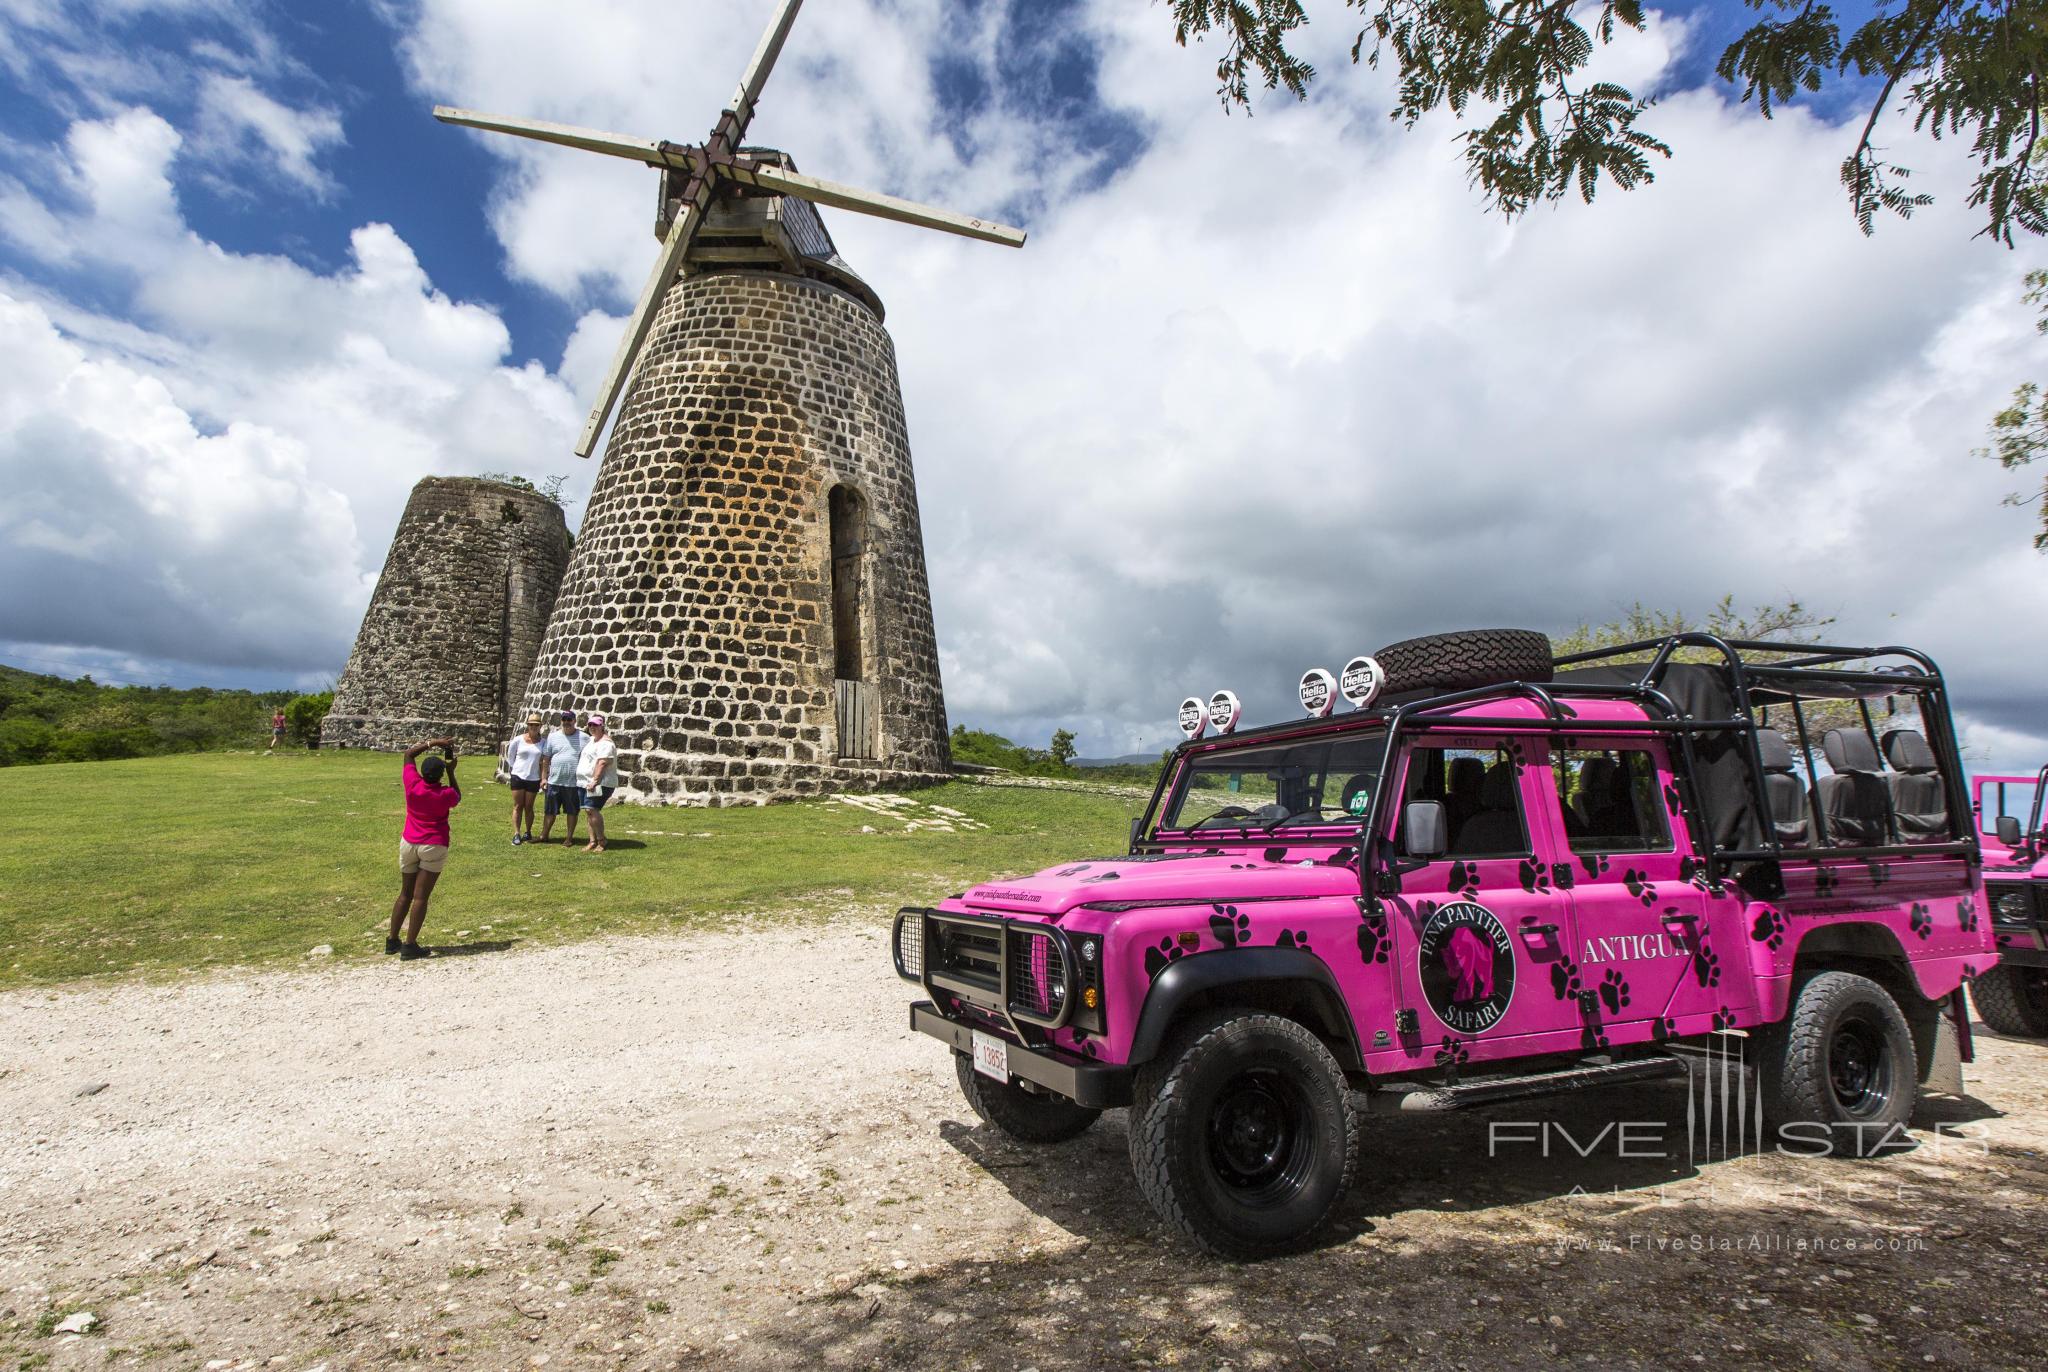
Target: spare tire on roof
point(1475, 657)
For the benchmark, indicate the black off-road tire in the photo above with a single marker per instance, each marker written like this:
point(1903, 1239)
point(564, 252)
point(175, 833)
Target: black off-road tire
point(1025, 1116)
point(1243, 1135)
point(1840, 1075)
point(1475, 657)
point(2013, 1000)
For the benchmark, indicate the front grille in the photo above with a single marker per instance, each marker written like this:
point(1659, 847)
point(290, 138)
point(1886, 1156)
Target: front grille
point(1038, 974)
point(971, 954)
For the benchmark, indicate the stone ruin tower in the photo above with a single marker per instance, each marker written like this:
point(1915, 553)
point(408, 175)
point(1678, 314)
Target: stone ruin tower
point(456, 619)
point(747, 602)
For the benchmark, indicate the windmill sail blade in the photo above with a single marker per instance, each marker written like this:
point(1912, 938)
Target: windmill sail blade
point(646, 150)
point(742, 104)
point(831, 193)
point(688, 217)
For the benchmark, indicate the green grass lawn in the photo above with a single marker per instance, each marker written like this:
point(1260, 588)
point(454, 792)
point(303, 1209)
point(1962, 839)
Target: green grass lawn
point(167, 864)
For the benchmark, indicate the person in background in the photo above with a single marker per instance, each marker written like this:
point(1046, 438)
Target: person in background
point(430, 793)
point(598, 774)
point(523, 757)
point(276, 729)
point(564, 752)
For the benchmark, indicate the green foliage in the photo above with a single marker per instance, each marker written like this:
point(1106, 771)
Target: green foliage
point(1062, 749)
point(549, 489)
point(52, 719)
point(302, 717)
point(979, 748)
point(1791, 622)
point(1955, 68)
point(2019, 432)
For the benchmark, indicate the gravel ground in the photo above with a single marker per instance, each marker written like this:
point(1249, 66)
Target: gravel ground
point(729, 1150)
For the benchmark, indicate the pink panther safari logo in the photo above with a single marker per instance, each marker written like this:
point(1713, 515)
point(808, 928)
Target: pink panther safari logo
point(1467, 966)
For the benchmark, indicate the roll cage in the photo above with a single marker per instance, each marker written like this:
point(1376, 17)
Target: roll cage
point(1800, 672)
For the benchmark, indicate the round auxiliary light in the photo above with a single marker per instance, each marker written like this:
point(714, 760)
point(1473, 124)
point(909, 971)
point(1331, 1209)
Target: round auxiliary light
point(1194, 717)
point(1363, 680)
point(1088, 950)
point(1318, 692)
point(1224, 710)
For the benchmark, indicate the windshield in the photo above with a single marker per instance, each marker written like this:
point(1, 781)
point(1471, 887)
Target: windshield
point(1320, 781)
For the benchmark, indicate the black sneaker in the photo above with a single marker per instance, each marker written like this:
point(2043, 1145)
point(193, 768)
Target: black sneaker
point(392, 945)
point(407, 952)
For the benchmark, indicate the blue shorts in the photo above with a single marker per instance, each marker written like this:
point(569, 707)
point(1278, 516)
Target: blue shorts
point(564, 800)
point(594, 800)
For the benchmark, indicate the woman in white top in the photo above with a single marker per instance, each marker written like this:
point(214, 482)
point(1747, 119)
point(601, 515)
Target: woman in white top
point(523, 757)
point(597, 772)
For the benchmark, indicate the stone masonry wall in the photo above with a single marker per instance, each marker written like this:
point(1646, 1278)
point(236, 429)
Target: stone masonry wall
point(697, 611)
point(457, 617)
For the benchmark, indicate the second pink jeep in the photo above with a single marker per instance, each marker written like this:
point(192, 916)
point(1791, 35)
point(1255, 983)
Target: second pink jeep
point(1503, 876)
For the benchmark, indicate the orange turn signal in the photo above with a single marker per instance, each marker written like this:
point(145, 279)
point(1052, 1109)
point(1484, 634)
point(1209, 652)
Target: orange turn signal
point(1088, 998)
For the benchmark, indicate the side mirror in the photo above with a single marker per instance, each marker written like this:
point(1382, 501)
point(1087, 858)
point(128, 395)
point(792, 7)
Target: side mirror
point(1424, 831)
point(2009, 830)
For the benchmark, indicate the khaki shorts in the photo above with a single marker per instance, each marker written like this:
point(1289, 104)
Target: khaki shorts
point(421, 857)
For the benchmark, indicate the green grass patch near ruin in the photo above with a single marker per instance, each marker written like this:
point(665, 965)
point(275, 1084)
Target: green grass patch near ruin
point(166, 865)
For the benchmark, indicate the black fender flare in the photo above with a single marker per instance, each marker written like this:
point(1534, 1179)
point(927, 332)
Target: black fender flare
point(1186, 978)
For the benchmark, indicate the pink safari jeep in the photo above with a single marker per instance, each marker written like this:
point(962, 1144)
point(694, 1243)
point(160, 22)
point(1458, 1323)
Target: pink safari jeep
point(1494, 881)
point(2013, 996)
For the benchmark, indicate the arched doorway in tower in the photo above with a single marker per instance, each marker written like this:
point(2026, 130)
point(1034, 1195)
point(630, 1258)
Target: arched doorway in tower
point(854, 696)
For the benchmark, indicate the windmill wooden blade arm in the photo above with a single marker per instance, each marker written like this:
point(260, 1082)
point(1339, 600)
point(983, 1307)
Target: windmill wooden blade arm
point(688, 218)
point(763, 62)
point(648, 150)
point(831, 193)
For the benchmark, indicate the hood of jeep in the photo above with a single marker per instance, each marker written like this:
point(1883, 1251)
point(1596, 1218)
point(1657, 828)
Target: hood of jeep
point(1195, 877)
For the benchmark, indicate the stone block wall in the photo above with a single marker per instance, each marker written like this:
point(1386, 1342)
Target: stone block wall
point(456, 620)
point(698, 610)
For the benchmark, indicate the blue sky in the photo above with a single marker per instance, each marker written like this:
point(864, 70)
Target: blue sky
point(268, 292)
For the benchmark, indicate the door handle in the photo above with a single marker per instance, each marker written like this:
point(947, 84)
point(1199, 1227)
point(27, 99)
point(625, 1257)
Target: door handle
point(1530, 927)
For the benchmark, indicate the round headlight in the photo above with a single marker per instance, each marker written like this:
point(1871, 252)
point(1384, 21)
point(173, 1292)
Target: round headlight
point(1087, 950)
point(2011, 906)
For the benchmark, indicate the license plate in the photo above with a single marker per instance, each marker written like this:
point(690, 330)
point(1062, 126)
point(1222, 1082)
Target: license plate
point(991, 1056)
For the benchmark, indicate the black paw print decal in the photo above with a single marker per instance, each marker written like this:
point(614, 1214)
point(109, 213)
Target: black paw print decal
point(1293, 938)
point(1639, 886)
point(1464, 878)
point(1592, 1037)
point(1661, 1029)
point(1693, 872)
point(1373, 944)
point(1228, 926)
point(1824, 881)
point(1769, 929)
point(1880, 872)
point(1071, 871)
point(1706, 966)
point(1920, 920)
point(1594, 863)
point(1515, 757)
point(1453, 1053)
point(1613, 991)
point(1724, 1018)
point(1564, 978)
point(1100, 876)
point(1156, 959)
point(1535, 879)
point(1966, 915)
point(1671, 798)
point(1276, 855)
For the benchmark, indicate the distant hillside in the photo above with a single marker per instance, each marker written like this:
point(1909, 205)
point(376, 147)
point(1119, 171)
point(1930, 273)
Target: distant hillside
point(53, 719)
point(1127, 760)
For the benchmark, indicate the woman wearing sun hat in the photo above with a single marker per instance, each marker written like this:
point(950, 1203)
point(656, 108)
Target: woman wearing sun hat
point(523, 758)
point(597, 772)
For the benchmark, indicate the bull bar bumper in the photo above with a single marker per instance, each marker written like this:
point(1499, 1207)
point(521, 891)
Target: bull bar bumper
point(1096, 1085)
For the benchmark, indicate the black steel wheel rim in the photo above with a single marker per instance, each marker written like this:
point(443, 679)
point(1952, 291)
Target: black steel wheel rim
point(1860, 1066)
point(1261, 1137)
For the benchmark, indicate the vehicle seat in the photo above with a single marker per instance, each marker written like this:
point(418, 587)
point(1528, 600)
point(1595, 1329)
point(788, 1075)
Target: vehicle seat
point(1610, 808)
point(1855, 801)
point(1789, 815)
point(1497, 827)
point(1462, 800)
point(1919, 802)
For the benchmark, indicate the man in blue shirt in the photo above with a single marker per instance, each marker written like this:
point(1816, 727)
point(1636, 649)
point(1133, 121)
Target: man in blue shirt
point(564, 748)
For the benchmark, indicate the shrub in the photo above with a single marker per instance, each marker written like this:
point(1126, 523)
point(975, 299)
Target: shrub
point(302, 717)
point(24, 740)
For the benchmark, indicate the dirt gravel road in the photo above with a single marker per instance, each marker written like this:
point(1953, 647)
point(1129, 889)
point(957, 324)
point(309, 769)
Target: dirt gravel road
point(729, 1150)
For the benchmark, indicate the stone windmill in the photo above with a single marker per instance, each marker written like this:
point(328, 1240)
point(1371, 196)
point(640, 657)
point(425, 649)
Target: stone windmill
point(747, 601)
